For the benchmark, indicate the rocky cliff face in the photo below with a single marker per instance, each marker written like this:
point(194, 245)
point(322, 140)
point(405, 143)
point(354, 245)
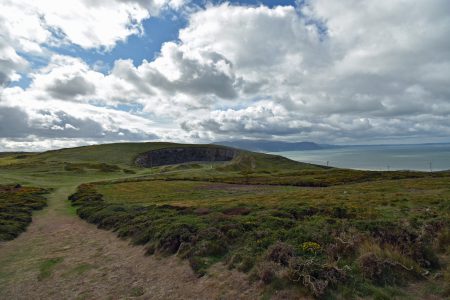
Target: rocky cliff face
point(170, 156)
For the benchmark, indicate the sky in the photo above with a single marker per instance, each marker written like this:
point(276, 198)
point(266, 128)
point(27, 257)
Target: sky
point(79, 72)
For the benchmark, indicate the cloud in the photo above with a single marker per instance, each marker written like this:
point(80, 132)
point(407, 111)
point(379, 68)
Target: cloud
point(253, 38)
point(156, 6)
point(15, 122)
point(64, 77)
point(30, 28)
point(346, 71)
point(71, 88)
point(346, 68)
point(10, 62)
point(177, 70)
point(88, 24)
point(262, 118)
point(182, 70)
point(9, 65)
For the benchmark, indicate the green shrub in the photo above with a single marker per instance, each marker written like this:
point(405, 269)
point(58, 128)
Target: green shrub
point(383, 270)
point(16, 206)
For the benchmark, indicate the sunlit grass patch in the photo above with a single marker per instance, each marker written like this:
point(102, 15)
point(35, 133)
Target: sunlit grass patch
point(183, 192)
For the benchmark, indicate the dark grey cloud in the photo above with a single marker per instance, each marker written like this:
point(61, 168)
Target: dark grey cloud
point(195, 77)
point(15, 123)
point(70, 88)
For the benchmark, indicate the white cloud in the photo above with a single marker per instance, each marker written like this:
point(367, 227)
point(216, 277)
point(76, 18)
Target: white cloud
point(10, 64)
point(29, 27)
point(253, 38)
point(92, 24)
point(88, 24)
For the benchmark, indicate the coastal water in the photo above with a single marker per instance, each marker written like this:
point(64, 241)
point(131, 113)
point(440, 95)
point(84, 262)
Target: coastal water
point(434, 157)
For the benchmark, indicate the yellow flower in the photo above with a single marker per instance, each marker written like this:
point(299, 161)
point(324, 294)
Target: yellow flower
point(311, 247)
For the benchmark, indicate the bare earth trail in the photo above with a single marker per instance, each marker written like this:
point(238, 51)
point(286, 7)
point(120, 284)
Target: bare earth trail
point(62, 257)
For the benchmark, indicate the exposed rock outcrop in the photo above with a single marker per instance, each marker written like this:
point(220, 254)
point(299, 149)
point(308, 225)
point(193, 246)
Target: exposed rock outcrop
point(170, 156)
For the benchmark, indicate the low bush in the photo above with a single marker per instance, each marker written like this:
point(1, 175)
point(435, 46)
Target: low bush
point(267, 271)
point(16, 206)
point(102, 167)
point(280, 253)
point(315, 275)
point(382, 270)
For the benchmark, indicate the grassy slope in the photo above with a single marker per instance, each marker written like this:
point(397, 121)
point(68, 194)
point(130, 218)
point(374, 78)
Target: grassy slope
point(119, 153)
point(238, 224)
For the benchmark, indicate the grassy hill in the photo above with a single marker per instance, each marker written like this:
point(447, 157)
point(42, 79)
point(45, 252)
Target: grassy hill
point(98, 162)
point(116, 153)
point(123, 154)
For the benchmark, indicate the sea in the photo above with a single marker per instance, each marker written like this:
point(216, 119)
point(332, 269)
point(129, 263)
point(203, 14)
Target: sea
point(425, 157)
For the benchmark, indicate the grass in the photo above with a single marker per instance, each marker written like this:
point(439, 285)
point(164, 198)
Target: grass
point(327, 232)
point(46, 267)
point(137, 291)
point(79, 269)
point(185, 192)
point(16, 206)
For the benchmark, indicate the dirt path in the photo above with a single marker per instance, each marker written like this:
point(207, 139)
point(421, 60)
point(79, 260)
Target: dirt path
point(62, 257)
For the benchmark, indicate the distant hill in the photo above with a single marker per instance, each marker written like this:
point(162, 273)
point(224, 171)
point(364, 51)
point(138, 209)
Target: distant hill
point(126, 155)
point(273, 146)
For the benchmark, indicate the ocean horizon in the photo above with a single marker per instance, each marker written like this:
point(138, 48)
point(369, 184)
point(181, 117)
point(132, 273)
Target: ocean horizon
point(424, 157)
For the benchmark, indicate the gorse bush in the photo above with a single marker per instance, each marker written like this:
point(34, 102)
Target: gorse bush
point(16, 206)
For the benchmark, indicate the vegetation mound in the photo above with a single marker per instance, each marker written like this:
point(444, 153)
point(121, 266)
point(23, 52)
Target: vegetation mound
point(16, 206)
